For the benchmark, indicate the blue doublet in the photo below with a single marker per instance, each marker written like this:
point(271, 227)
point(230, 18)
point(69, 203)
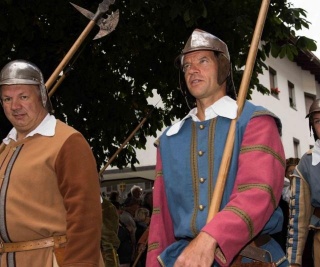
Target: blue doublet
point(191, 161)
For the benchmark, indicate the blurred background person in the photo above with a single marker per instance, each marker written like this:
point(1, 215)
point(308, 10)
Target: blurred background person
point(109, 236)
point(305, 197)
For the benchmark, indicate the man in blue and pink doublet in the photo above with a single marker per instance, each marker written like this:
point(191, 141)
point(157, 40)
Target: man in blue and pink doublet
point(304, 205)
point(188, 161)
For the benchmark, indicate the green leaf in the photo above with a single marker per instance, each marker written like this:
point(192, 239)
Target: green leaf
point(275, 50)
point(306, 43)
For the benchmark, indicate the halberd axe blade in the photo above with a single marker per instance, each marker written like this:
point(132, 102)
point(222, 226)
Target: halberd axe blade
point(108, 25)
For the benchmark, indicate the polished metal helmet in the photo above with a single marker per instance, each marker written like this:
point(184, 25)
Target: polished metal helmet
point(24, 72)
point(315, 107)
point(201, 40)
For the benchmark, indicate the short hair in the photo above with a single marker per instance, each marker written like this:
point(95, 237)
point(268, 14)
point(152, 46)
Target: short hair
point(292, 162)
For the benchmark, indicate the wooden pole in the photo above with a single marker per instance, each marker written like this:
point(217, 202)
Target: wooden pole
point(143, 242)
point(69, 55)
point(66, 72)
point(122, 145)
point(227, 154)
point(56, 85)
point(111, 23)
point(127, 140)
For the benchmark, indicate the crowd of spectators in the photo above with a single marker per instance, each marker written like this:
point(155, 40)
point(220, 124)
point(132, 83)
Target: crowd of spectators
point(132, 220)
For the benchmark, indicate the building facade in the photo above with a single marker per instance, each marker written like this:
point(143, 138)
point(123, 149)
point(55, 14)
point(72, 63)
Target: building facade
point(293, 86)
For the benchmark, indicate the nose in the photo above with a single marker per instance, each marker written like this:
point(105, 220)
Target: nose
point(15, 104)
point(193, 68)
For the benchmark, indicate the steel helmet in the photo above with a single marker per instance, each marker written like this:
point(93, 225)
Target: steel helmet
point(201, 40)
point(24, 72)
point(315, 107)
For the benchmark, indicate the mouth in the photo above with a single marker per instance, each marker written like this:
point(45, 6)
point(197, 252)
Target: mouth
point(195, 81)
point(18, 116)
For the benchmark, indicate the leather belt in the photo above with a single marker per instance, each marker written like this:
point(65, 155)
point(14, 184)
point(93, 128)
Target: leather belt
point(317, 212)
point(54, 241)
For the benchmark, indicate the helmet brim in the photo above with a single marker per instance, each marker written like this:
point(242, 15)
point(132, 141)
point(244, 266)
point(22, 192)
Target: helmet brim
point(18, 81)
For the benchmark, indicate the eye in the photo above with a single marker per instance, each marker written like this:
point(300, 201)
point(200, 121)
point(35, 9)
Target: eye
point(203, 60)
point(186, 67)
point(24, 97)
point(316, 121)
point(6, 99)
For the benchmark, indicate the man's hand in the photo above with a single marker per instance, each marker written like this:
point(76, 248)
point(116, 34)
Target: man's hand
point(200, 252)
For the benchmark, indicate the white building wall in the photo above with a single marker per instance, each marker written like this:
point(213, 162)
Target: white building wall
point(148, 157)
point(294, 123)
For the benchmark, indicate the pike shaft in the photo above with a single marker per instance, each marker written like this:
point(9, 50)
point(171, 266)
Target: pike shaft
point(227, 154)
point(69, 55)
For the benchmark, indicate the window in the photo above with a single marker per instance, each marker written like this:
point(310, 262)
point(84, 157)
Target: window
point(296, 148)
point(273, 82)
point(292, 99)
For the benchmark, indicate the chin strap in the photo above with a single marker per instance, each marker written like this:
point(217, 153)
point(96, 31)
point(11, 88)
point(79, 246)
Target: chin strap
point(230, 85)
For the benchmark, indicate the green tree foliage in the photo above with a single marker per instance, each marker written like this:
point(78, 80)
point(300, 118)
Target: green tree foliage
point(105, 96)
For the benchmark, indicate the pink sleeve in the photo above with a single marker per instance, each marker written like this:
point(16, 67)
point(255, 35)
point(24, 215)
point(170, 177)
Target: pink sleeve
point(159, 238)
point(257, 188)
